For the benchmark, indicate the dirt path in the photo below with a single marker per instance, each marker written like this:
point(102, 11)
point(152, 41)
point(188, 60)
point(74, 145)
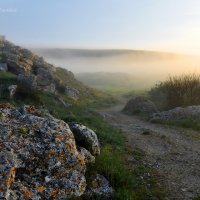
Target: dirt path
point(173, 152)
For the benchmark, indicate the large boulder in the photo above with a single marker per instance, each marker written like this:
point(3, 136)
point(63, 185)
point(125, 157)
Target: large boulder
point(140, 105)
point(38, 157)
point(85, 137)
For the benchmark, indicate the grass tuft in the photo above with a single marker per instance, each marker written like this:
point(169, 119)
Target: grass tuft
point(177, 91)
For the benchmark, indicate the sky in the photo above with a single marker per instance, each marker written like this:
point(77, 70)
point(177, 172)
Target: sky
point(163, 25)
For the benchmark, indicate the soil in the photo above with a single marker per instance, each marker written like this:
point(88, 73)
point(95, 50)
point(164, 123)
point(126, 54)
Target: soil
point(174, 152)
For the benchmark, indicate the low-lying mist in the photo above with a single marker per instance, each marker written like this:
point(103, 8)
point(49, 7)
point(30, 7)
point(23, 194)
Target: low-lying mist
point(121, 69)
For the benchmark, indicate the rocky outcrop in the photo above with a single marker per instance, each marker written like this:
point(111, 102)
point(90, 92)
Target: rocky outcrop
point(19, 60)
point(39, 158)
point(140, 105)
point(31, 69)
point(176, 114)
point(86, 137)
point(36, 74)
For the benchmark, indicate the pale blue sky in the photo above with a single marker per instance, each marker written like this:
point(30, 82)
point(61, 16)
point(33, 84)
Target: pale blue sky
point(169, 25)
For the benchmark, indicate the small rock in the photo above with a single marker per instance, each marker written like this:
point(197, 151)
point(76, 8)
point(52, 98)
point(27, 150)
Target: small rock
point(72, 92)
point(86, 137)
point(89, 158)
point(99, 187)
point(47, 179)
point(12, 90)
point(3, 67)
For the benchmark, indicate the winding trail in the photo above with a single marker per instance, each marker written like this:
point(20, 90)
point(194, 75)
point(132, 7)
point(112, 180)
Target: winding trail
point(173, 152)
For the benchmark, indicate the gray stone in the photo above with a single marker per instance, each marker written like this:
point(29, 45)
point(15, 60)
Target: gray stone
point(86, 138)
point(12, 90)
point(176, 114)
point(3, 67)
point(72, 92)
point(140, 105)
point(98, 186)
point(89, 158)
point(29, 81)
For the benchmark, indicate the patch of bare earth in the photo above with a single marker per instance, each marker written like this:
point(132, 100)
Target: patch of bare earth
point(173, 152)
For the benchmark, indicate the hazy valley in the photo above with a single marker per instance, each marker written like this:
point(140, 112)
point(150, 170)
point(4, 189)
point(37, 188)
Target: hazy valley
point(120, 70)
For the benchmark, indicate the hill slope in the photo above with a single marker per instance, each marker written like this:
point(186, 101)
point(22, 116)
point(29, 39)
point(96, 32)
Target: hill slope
point(34, 73)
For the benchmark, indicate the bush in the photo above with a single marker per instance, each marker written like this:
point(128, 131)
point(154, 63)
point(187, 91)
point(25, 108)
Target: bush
point(177, 91)
point(26, 95)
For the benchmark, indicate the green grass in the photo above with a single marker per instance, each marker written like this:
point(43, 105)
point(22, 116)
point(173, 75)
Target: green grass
point(6, 79)
point(190, 122)
point(196, 198)
point(7, 76)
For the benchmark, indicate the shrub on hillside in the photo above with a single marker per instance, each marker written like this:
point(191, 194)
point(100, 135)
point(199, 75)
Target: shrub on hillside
point(177, 91)
point(25, 94)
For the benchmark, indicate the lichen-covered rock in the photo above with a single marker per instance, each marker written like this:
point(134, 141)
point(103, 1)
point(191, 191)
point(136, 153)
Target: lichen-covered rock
point(8, 166)
point(85, 137)
point(39, 158)
point(98, 186)
point(140, 105)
